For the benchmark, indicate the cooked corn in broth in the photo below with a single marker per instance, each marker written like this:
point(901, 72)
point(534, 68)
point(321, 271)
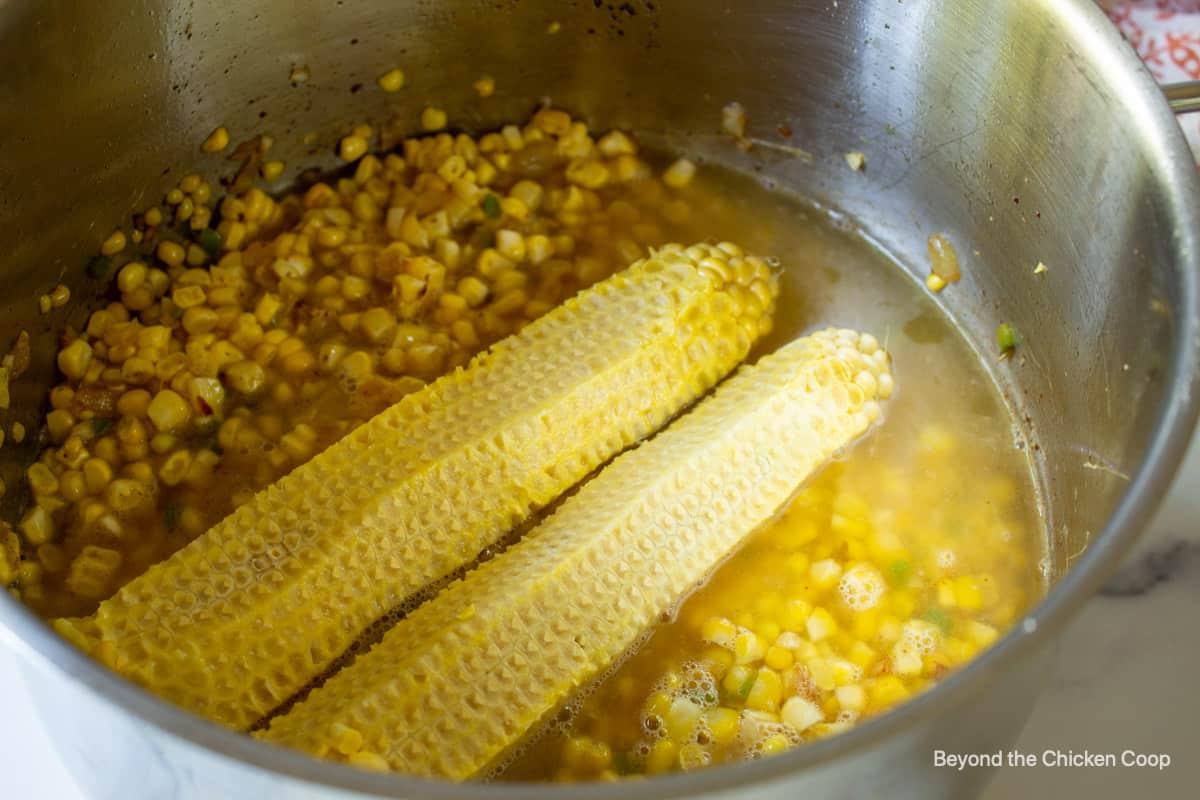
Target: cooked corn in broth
point(245, 348)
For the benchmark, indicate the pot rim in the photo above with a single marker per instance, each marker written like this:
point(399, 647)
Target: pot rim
point(36, 643)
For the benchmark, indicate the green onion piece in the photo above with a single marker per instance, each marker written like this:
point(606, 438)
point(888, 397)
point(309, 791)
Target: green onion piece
point(491, 206)
point(99, 267)
point(1007, 338)
point(939, 618)
point(900, 571)
point(100, 425)
point(210, 241)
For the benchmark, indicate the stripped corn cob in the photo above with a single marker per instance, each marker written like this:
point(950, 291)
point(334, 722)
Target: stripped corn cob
point(252, 611)
point(461, 679)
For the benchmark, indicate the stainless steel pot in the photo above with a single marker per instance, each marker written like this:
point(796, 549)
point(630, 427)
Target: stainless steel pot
point(1026, 129)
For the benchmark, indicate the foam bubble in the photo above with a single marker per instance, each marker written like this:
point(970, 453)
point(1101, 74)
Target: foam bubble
point(921, 636)
point(861, 587)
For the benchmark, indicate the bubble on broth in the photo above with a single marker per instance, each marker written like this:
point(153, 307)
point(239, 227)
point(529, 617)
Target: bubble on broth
point(861, 587)
point(945, 558)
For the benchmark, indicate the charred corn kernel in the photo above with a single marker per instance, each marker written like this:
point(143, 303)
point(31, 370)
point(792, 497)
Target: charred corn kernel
point(770, 425)
point(392, 80)
point(114, 244)
point(217, 141)
point(663, 334)
point(433, 119)
point(74, 359)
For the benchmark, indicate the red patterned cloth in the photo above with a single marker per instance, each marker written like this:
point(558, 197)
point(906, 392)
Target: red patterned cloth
point(1166, 34)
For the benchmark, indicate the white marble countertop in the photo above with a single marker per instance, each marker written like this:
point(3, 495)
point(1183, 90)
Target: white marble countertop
point(1126, 679)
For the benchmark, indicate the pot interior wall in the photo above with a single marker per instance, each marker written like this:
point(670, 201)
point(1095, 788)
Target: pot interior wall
point(990, 122)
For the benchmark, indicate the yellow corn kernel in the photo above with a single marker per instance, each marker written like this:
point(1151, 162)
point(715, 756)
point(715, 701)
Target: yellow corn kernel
point(800, 714)
point(74, 359)
point(887, 691)
point(114, 244)
point(59, 423)
point(766, 691)
point(433, 119)
point(168, 411)
point(748, 647)
point(38, 526)
point(719, 631)
point(92, 571)
point(778, 658)
point(217, 141)
point(681, 718)
point(271, 171)
point(825, 573)
point(41, 480)
point(170, 253)
point(967, 594)
point(722, 724)
point(679, 174)
point(392, 80)
point(820, 625)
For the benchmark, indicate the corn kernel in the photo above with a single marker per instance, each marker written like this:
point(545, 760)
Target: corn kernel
point(217, 141)
point(433, 119)
point(114, 244)
point(392, 80)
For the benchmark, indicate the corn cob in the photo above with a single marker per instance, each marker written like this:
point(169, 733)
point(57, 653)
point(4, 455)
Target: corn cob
point(252, 611)
point(455, 684)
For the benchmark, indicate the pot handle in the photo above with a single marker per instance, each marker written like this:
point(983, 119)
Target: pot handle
point(1183, 97)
